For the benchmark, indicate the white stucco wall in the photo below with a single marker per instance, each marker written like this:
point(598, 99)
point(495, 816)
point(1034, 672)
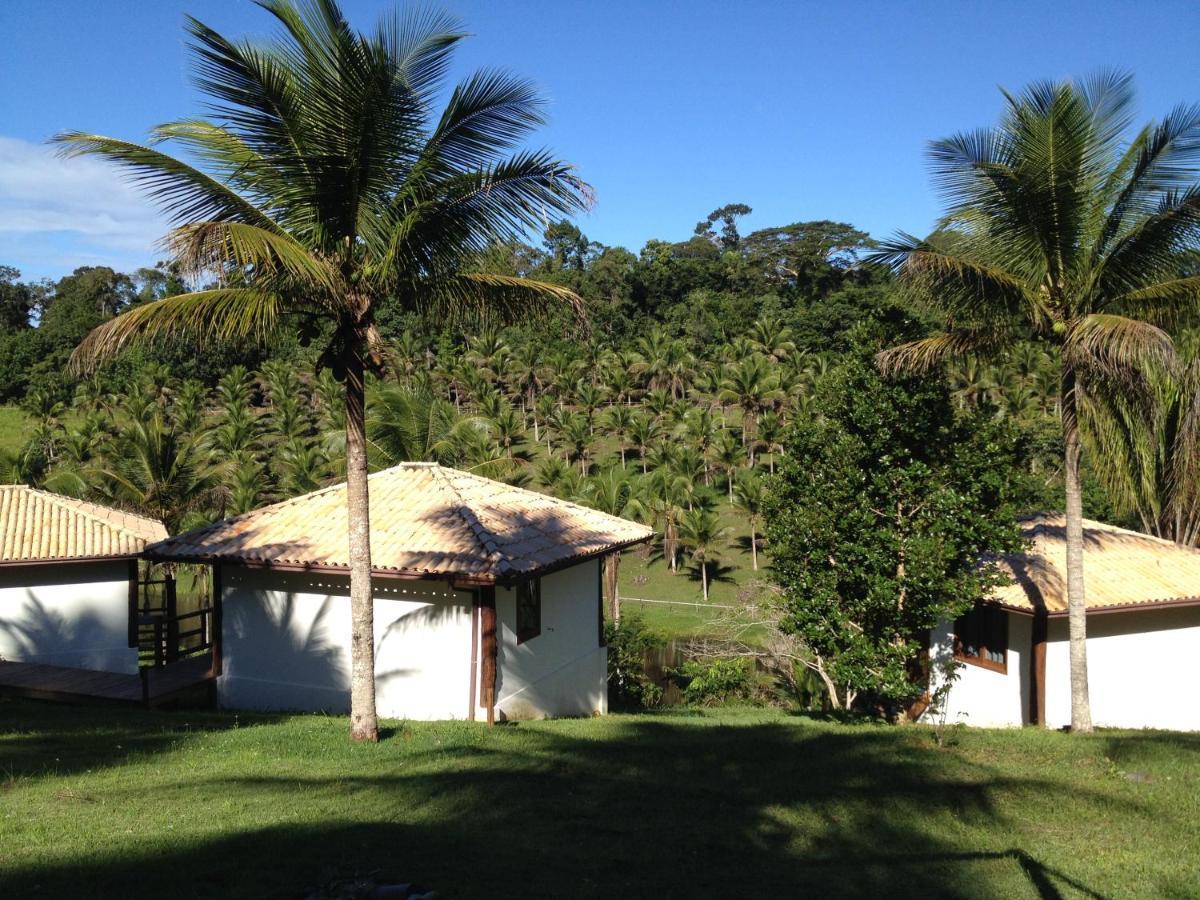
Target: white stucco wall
point(564, 670)
point(982, 696)
point(70, 614)
point(1143, 669)
point(287, 644)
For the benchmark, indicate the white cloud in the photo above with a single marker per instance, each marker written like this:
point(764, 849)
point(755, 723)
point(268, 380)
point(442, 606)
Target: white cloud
point(65, 209)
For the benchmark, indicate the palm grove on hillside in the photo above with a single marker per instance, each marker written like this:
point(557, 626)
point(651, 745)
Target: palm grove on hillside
point(672, 408)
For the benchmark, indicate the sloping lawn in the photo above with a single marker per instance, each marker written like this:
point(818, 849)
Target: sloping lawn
point(14, 427)
point(741, 803)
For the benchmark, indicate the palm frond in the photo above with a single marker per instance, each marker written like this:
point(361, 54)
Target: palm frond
point(1118, 346)
point(216, 246)
point(221, 313)
point(183, 193)
point(925, 355)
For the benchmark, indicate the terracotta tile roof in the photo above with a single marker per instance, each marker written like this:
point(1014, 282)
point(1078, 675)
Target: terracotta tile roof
point(36, 526)
point(1120, 568)
point(426, 521)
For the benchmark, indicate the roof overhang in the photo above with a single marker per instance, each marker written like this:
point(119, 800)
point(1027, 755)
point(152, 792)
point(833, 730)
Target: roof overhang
point(458, 580)
point(1102, 610)
point(67, 560)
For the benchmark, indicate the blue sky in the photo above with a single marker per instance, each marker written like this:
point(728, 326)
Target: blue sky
point(802, 110)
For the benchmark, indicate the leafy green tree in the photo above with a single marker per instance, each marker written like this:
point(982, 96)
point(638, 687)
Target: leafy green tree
point(884, 506)
point(16, 301)
point(331, 189)
point(1061, 229)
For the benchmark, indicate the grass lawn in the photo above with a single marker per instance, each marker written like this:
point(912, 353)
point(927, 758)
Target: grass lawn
point(14, 424)
point(735, 803)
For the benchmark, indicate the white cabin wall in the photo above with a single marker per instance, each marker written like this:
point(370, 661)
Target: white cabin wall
point(1143, 668)
point(67, 614)
point(564, 670)
point(982, 696)
point(287, 644)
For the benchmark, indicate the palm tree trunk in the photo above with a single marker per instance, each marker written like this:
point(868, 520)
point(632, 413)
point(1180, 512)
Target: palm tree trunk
point(753, 545)
point(704, 579)
point(1081, 713)
point(364, 725)
point(612, 569)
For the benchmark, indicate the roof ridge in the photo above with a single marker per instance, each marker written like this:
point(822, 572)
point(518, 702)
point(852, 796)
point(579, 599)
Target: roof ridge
point(483, 537)
point(62, 501)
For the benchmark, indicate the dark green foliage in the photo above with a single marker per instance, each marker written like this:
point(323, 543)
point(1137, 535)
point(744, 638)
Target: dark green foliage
point(885, 503)
point(713, 682)
point(16, 301)
point(629, 688)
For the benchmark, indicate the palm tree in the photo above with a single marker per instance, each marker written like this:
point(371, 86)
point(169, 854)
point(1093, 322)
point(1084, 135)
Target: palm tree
point(748, 496)
point(700, 532)
point(620, 424)
point(328, 186)
point(751, 386)
point(644, 431)
point(158, 471)
point(406, 424)
point(1060, 230)
point(613, 493)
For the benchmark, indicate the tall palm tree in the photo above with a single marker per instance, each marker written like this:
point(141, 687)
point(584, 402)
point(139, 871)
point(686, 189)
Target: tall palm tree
point(1061, 229)
point(701, 533)
point(748, 496)
point(327, 185)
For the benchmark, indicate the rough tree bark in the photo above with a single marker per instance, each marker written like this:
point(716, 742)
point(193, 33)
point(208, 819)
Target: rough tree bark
point(1081, 712)
point(364, 725)
point(612, 570)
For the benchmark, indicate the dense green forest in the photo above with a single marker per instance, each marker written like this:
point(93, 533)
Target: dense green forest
point(668, 406)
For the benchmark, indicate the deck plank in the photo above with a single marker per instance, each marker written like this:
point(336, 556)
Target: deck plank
point(82, 685)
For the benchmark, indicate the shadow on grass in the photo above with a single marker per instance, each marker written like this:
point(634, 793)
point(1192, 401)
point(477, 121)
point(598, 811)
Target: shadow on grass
point(655, 808)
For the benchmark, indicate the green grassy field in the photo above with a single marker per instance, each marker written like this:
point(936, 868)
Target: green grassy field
point(13, 429)
point(736, 803)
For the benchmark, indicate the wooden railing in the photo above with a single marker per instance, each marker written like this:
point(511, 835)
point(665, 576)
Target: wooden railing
point(164, 639)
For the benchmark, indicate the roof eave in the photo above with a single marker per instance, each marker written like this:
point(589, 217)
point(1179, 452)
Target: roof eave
point(457, 579)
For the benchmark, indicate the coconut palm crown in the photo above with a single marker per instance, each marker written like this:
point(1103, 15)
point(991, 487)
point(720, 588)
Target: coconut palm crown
point(1061, 226)
point(326, 182)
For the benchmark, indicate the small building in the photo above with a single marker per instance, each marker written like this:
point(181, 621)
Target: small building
point(1143, 626)
point(487, 599)
point(69, 580)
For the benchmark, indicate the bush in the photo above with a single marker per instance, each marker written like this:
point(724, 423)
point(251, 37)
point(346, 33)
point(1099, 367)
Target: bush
point(716, 681)
point(628, 685)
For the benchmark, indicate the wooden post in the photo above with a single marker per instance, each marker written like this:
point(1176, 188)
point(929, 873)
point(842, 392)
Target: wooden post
point(172, 605)
point(133, 603)
point(487, 609)
point(1037, 667)
point(472, 698)
point(215, 620)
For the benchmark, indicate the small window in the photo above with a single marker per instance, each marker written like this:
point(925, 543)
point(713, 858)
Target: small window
point(529, 610)
point(981, 638)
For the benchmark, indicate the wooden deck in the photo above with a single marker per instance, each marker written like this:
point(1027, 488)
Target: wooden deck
point(87, 686)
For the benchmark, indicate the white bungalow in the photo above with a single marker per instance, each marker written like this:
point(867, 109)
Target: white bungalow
point(69, 580)
point(1143, 625)
point(487, 599)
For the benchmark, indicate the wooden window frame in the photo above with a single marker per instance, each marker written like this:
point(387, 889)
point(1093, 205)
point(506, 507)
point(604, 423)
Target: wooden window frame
point(533, 588)
point(978, 660)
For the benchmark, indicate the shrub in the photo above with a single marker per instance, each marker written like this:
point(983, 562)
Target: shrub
point(629, 687)
point(716, 681)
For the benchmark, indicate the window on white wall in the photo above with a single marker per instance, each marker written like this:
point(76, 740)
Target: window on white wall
point(981, 638)
point(529, 609)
